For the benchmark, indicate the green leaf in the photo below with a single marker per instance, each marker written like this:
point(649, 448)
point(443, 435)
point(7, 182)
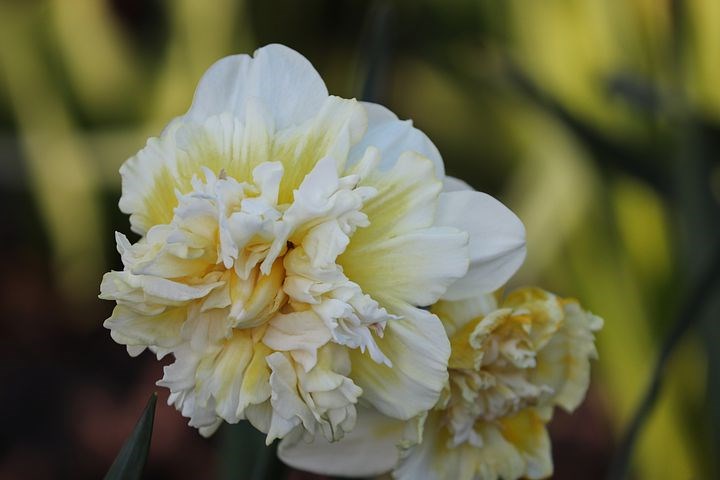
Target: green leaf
point(243, 454)
point(130, 462)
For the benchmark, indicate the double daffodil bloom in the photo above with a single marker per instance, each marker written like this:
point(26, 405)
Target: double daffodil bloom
point(288, 242)
point(510, 365)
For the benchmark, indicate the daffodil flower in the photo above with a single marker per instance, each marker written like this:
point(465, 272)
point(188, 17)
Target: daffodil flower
point(289, 241)
point(511, 365)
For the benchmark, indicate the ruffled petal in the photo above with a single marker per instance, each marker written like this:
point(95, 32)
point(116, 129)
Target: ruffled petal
point(564, 362)
point(167, 165)
point(147, 294)
point(497, 240)
point(455, 315)
point(321, 400)
point(527, 433)
point(337, 126)
point(246, 111)
point(515, 447)
point(219, 382)
point(300, 333)
point(148, 185)
point(419, 350)
point(137, 331)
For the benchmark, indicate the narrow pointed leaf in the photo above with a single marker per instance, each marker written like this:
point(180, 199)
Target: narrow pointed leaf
point(130, 462)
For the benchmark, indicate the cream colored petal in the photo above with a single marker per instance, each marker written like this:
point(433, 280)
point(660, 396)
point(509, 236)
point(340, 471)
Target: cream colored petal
point(219, 382)
point(497, 240)
point(338, 125)
point(231, 378)
point(297, 332)
point(226, 143)
point(516, 447)
point(452, 184)
point(406, 200)
point(255, 388)
point(393, 137)
point(496, 459)
point(260, 415)
point(180, 378)
point(256, 299)
point(527, 433)
point(419, 350)
point(222, 375)
point(168, 164)
point(456, 314)
point(564, 362)
point(429, 460)
point(368, 450)
point(148, 185)
point(415, 267)
point(284, 82)
point(245, 112)
point(150, 294)
point(153, 255)
point(398, 256)
point(132, 329)
point(289, 409)
point(329, 393)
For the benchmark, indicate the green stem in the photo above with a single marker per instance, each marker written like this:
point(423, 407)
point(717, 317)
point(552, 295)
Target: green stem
point(689, 315)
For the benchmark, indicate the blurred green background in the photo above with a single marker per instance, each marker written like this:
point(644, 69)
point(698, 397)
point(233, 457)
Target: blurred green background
point(597, 121)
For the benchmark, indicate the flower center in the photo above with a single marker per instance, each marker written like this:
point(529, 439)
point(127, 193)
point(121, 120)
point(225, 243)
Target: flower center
point(254, 262)
point(494, 378)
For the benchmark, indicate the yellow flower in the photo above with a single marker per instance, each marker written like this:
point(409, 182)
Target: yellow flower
point(508, 369)
point(511, 364)
point(288, 241)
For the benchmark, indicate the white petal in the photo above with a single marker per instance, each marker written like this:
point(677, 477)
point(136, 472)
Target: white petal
point(497, 240)
point(419, 350)
point(297, 332)
point(452, 184)
point(284, 81)
point(368, 450)
point(394, 137)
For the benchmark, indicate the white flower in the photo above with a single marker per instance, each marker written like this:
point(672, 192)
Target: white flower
point(510, 366)
point(288, 241)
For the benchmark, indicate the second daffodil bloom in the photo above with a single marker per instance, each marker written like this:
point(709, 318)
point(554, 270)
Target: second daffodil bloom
point(288, 240)
point(511, 364)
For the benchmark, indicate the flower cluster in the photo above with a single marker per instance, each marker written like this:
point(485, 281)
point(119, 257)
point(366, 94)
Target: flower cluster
point(310, 268)
point(512, 363)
